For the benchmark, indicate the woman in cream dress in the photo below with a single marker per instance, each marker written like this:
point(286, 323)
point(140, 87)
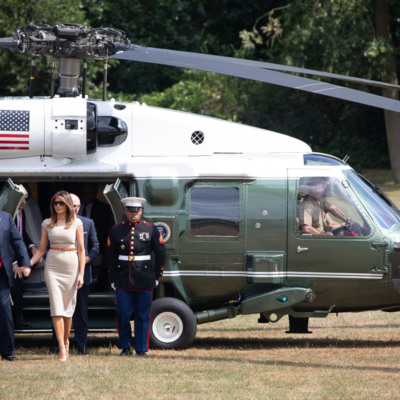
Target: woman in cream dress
point(61, 274)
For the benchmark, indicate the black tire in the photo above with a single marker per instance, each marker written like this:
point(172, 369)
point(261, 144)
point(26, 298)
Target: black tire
point(173, 324)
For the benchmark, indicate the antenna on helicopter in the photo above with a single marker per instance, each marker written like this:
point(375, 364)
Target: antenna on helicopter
point(32, 77)
point(84, 79)
point(105, 67)
point(53, 77)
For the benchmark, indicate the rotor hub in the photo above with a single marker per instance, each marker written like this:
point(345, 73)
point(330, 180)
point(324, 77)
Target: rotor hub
point(67, 41)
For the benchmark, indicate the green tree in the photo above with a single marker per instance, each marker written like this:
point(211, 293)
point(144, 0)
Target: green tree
point(351, 37)
point(389, 73)
point(14, 67)
point(202, 26)
point(206, 94)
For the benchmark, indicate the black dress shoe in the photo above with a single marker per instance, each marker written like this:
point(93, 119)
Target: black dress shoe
point(10, 357)
point(141, 354)
point(82, 351)
point(126, 352)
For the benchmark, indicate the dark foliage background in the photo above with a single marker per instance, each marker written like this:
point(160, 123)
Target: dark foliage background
point(337, 36)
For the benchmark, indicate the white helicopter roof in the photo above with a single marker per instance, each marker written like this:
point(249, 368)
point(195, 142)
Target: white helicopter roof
point(160, 142)
point(162, 132)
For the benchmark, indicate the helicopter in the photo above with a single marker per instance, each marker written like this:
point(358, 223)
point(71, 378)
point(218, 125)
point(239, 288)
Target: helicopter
point(225, 196)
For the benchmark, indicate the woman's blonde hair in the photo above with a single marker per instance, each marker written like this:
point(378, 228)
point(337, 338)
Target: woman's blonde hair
point(69, 216)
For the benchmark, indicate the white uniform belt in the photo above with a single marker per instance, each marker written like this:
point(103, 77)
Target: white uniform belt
point(134, 258)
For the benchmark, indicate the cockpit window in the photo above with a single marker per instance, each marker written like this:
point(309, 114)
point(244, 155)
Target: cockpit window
point(321, 159)
point(325, 208)
point(376, 204)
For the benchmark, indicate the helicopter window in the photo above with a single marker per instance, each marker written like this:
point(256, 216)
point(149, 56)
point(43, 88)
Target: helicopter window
point(379, 208)
point(214, 211)
point(321, 159)
point(325, 208)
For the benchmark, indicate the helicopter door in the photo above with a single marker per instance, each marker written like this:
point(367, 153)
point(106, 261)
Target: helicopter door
point(11, 196)
point(211, 249)
point(114, 193)
point(345, 264)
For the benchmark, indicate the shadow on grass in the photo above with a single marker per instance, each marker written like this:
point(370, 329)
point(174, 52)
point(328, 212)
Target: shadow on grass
point(290, 342)
point(276, 363)
point(272, 327)
point(33, 341)
point(40, 344)
point(247, 343)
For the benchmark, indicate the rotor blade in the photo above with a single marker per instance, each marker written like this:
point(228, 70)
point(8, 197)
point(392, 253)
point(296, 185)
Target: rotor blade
point(254, 70)
point(346, 78)
point(9, 44)
point(187, 57)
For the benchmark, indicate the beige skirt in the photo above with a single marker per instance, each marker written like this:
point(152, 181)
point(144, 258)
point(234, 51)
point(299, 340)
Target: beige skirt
point(60, 274)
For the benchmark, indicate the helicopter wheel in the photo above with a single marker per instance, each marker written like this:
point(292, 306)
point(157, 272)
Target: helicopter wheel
point(173, 324)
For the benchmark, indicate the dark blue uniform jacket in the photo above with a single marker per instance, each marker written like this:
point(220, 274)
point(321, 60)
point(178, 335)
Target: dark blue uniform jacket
point(129, 241)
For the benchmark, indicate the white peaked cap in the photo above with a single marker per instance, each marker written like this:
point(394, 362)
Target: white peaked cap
point(133, 203)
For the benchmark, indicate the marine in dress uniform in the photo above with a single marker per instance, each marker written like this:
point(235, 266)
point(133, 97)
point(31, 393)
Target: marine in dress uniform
point(133, 275)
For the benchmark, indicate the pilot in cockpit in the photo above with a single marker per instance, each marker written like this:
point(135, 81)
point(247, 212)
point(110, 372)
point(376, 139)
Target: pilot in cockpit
point(313, 213)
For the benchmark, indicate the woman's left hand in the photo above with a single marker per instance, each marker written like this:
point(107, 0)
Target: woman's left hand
point(79, 282)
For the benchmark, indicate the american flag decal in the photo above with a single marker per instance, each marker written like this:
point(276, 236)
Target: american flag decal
point(14, 121)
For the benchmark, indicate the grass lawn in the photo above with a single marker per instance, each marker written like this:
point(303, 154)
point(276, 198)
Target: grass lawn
point(350, 356)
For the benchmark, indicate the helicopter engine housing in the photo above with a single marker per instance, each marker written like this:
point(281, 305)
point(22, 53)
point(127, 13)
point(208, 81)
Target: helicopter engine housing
point(43, 127)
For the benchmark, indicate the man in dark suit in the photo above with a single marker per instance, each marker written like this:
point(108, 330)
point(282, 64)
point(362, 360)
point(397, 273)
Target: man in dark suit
point(17, 289)
point(9, 237)
point(103, 219)
point(80, 317)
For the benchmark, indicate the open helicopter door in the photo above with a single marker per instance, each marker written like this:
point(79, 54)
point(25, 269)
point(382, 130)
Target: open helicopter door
point(337, 263)
point(11, 196)
point(114, 192)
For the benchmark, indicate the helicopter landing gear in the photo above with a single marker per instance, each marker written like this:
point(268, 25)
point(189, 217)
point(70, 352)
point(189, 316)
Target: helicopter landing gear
point(298, 325)
point(173, 324)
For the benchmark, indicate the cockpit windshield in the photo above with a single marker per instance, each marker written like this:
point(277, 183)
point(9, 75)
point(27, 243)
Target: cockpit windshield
point(325, 208)
point(384, 212)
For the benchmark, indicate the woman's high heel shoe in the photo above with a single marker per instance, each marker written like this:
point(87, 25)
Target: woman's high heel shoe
point(62, 354)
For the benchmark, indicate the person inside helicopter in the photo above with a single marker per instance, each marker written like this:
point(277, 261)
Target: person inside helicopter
point(315, 212)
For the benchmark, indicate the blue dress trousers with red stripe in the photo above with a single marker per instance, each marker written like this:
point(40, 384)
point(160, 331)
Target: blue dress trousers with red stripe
point(134, 276)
